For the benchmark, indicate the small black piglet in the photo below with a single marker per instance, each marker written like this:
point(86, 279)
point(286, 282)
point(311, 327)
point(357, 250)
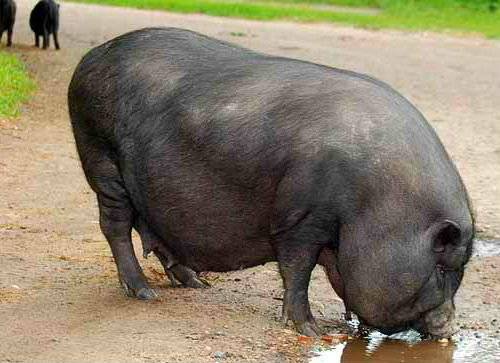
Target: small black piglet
point(44, 20)
point(7, 19)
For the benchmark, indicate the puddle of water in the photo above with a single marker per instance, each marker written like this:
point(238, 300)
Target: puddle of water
point(483, 248)
point(467, 347)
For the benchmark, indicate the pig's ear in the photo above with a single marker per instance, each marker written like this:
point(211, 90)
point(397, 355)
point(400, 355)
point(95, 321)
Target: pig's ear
point(283, 223)
point(447, 233)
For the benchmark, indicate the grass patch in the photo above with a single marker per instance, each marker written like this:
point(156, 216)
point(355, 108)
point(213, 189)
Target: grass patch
point(436, 15)
point(482, 5)
point(15, 85)
point(353, 3)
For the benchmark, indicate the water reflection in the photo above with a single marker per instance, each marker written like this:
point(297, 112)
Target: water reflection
point(380, 348)
point(486, 248)
point(466, 347)
point(390, 351)
point(408, 347)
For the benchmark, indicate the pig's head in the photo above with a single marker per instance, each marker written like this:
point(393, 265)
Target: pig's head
point(400, 268)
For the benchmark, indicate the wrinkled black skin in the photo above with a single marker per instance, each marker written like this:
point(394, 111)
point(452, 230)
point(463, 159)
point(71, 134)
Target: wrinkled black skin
point(232, 159)
point(7, 19)
point(44, 21)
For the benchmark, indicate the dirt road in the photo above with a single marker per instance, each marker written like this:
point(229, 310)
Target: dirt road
point(59, 297)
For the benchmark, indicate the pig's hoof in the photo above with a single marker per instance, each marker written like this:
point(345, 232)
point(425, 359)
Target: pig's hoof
point(173, 281)
point(196, 283)
point(309, 328)
point(146, 293)
point(187, 277)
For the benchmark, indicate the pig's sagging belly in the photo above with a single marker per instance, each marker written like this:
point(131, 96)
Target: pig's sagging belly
point(207, 220)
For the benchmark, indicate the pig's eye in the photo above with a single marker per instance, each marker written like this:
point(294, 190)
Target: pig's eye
point(440, 276)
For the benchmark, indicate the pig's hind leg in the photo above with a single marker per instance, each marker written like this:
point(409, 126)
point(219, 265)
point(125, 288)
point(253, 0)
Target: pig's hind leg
point(116, 214)
point(9, 36)
point(56, 40)
point(45, 35)
point(176, 272)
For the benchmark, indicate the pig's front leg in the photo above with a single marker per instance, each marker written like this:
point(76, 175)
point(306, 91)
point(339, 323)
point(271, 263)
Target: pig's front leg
point(297, 250)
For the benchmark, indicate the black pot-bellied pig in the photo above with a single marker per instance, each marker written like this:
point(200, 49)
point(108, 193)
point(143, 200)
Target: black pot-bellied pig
point(223, 158)
point(44, 20)
point(7, 19)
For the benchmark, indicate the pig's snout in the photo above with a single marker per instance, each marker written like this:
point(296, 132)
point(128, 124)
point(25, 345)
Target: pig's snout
point(438, 322)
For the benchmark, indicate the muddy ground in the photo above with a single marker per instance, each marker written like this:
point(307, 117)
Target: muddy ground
point(59, 296)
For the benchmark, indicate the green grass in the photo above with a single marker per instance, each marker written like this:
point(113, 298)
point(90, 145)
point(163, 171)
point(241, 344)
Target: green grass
point(354, 3)
point(15, 85)
point(470, 4)
point(435, 15)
